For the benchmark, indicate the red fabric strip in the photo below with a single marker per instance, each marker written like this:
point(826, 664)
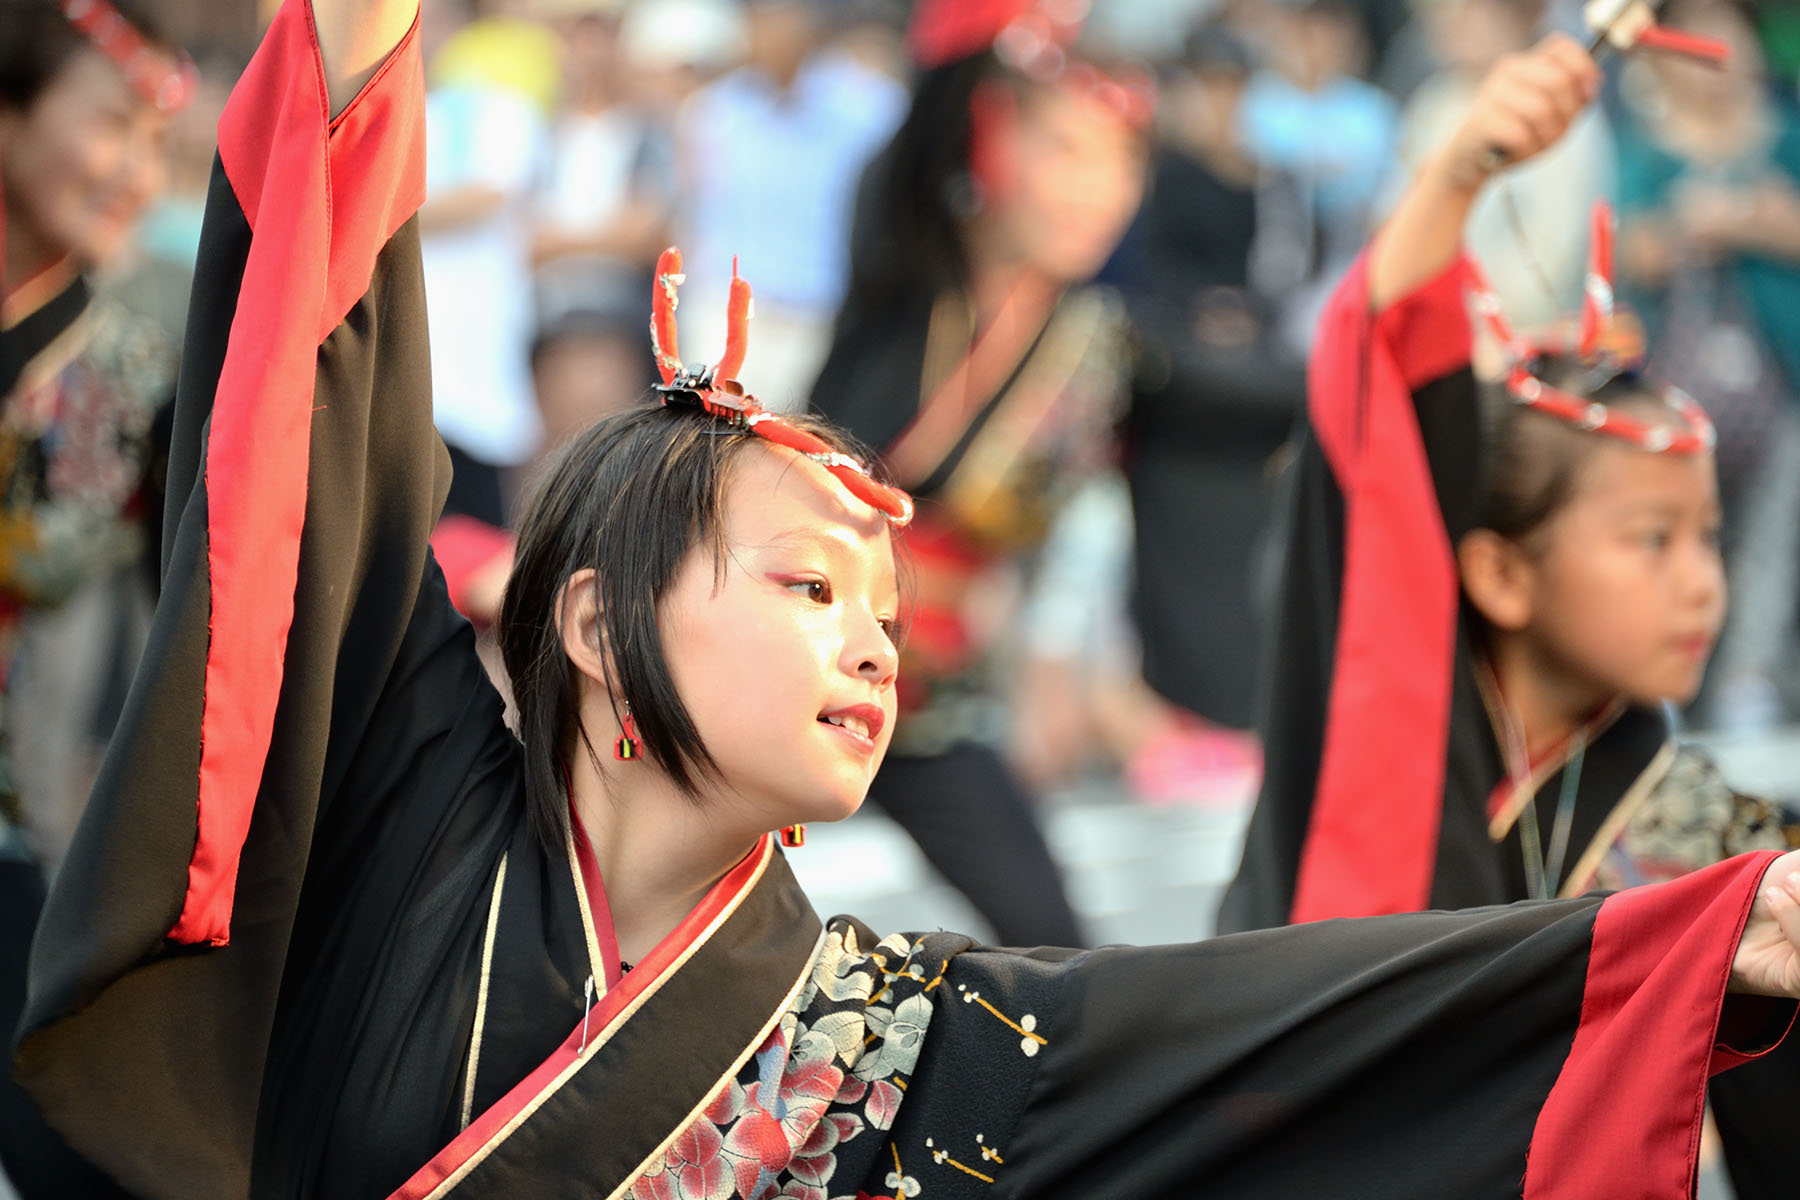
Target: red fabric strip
point(1372, 841)
point(599, 907)
point(607, 1011)
point(1624, 1115)
point(321, 201)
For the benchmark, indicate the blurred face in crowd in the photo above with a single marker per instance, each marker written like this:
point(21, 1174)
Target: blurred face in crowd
point(582, 376)
point(778, 35)
point(80, 163)
point(591, 58)
point(1471, 35)
point(1061, 182)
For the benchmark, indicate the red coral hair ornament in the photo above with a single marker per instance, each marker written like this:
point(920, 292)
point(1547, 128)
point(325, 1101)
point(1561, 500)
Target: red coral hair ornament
point(1594, 344)
point(716, 391)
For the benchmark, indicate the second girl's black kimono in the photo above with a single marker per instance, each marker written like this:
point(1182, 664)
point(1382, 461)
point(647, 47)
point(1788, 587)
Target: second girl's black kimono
point(306, 943)
point(1386, 787)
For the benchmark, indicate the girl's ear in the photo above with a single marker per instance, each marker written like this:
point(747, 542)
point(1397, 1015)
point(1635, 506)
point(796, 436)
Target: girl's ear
point(583, 634)
point(1499, 578)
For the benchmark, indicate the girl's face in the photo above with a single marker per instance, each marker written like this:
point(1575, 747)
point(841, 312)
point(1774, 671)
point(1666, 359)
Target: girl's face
point(1063, 182)
point(1629, 591)
point(82, 162)
point(784, 656)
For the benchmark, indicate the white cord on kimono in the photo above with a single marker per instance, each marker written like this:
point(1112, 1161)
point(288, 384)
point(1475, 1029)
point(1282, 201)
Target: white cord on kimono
point(587, 992)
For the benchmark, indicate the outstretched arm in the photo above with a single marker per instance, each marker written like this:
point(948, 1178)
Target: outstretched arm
point(1524, 106)
point(355, 38)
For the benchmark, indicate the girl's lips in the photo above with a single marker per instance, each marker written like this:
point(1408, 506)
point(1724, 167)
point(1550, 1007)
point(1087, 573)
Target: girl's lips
point(1694, 646)
point(862, 723)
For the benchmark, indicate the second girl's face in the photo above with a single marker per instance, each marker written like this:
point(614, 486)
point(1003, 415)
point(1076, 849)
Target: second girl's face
point(784, 656)
point(83, 160)
point(1067, 182)
point(1630, 591)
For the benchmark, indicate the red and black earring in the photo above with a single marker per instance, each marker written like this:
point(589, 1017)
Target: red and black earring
point(793, 835)
point(627, 747)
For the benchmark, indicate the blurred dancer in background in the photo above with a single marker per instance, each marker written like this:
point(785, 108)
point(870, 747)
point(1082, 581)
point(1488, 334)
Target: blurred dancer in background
point(86, 95)
point(990, 379)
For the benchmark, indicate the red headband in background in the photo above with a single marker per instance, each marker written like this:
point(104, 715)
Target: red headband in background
point(1032, 37)
point(1524, 386)
point(166, 81)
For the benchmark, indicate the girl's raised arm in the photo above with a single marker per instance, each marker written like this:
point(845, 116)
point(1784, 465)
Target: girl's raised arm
point(310, 714)
point(355, 38)
point(1525, 105)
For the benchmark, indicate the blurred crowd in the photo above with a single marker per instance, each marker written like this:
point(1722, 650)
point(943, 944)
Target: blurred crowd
point(1093, 605)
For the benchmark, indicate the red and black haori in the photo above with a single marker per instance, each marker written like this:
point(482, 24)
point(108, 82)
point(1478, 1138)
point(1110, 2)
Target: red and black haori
point(307, 943)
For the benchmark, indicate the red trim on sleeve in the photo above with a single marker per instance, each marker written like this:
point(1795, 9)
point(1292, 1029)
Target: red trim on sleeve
point(1629, 1100)
point(599, 907)
point(1371, 845)
point(608, 1012)
point(321, 200)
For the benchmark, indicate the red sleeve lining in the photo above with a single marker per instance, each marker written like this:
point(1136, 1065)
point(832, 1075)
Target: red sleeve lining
point(321, 202)
point(1371, 844)
point(1628, 1102)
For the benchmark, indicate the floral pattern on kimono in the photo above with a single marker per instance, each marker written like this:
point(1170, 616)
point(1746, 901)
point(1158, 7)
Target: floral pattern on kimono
point(833, 1071)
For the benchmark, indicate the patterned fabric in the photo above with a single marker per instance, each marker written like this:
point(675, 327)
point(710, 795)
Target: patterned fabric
point(1692, 819)
point(74, 448)
point(812, 1112)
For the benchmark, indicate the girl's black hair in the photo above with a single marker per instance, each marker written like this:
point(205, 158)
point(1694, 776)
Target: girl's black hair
point(906, 237)
point(628, 498)
point(37, 41)
point(1531, 460)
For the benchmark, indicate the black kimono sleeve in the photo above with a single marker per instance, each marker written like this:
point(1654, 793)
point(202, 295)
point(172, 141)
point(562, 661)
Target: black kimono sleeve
point(1555, 1051)
point(1358, 702)
point(253, 952)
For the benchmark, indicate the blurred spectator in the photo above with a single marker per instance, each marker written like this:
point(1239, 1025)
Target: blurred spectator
point(484, 152)
point(1309, 114)
point(674, 47)
point(1709, 253)
point(969, 352)
point(604, 204)
point(81, 381)
point(1219, 245)
point(768, 158)
point(497, 44)
point(587, 365)
point(1530, 233)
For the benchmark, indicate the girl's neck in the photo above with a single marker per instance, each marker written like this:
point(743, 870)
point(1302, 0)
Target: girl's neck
point(658, 851)
point(999, 281)
point(1547, 705)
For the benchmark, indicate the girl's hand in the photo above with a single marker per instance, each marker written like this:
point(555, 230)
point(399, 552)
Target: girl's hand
point(1525, 105)
point(1768, 955)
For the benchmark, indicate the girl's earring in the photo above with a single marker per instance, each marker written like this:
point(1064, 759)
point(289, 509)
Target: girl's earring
point(793, 835)
point(627, 747)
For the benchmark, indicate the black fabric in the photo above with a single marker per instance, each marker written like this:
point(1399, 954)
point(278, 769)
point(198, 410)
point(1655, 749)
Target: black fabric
point(977, 826)
point(475, 489)
point(1335, 1059)
point(1470, 869)
point(37, 1163)
point(870, 381)
point(33, 333)
point(1754, 1108)
point(323, 1052)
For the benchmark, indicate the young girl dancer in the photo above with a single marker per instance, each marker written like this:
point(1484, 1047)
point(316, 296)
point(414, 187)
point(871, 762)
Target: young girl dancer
point(1490, 593)
point(330, 929)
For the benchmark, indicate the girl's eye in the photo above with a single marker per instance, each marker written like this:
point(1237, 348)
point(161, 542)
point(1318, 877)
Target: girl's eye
point(816, 590)
point(1656, 539)
point(887, 627)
